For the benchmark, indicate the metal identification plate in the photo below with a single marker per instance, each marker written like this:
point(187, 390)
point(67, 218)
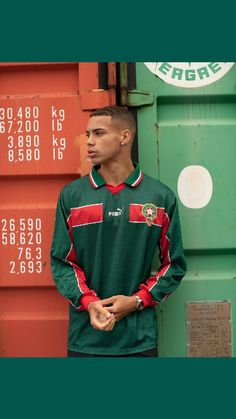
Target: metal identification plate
point(209, 329)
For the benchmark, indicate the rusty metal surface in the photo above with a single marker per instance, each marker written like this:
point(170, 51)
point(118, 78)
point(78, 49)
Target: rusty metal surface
point(44, 109)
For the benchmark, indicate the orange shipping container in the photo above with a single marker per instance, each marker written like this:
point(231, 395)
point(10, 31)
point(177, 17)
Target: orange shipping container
point(44, 109)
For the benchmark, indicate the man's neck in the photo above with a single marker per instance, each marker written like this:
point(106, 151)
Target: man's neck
point(116, 173)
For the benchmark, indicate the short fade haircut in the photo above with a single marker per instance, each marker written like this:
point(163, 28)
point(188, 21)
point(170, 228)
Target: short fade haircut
point(119, 114)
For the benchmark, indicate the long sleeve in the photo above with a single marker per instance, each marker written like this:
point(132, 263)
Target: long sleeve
point(172, 261)
point(69, 277)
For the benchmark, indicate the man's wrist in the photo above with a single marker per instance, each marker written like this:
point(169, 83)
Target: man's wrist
point(146, 296)
point(90, 305)
point(139, 303)
point(87, 299)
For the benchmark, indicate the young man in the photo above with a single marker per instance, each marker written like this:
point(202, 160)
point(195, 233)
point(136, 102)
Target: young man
point(108, 226)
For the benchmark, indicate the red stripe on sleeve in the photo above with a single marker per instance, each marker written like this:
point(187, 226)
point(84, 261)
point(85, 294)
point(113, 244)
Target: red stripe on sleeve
point(164, 246)
point(79, 273)
point(166, 262)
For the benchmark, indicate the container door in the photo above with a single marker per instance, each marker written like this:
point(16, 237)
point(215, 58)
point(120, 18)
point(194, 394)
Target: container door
point(44, 109)
point(186, 138)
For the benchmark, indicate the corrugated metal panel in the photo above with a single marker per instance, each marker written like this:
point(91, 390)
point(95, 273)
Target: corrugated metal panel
point(187, 140)
point(43, 114)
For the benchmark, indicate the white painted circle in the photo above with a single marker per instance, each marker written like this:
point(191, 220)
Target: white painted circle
point(189, 74)
point(195, 186)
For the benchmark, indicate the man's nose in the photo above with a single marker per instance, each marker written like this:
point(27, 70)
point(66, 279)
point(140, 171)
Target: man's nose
point(90, 140)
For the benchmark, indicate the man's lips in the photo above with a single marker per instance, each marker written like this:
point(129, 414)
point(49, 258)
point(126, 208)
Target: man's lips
point(92, 153)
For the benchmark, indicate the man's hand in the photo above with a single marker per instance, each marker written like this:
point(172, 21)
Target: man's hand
point(100, 317)
point(121, 305)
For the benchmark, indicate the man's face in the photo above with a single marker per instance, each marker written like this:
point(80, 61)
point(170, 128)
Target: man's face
point(104, 137)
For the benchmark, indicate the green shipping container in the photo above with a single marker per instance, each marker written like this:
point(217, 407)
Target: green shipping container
point(186, 115)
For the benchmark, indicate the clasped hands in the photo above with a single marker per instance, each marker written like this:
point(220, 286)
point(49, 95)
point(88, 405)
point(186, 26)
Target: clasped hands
point(105, 313)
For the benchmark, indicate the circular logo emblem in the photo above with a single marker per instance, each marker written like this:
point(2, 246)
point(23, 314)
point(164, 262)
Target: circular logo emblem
point(149, 211)
point(189, 74)
point(195, 186)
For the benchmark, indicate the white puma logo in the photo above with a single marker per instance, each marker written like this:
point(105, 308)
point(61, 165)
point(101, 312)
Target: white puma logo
point(116, 213)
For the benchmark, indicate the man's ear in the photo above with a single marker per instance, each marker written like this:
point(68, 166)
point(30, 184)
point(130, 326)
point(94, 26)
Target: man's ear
point(126, 137)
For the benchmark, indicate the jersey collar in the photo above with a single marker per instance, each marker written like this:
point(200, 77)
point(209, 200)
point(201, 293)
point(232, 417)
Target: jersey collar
point(133, 180)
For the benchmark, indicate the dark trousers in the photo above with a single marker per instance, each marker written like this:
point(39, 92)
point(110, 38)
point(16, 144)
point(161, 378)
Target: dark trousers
point(151, 353)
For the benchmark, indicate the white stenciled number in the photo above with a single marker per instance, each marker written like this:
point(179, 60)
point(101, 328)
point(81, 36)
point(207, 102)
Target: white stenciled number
point(23, 234)
point(19, 113)
point(4, 231)
point(2, 114)
point(28, 140)
point(2, 127)
point(22, 267)
point(24, 146)
point(39, 267)
point(20, 126)
point(36, 154)
point(20, 141)
point(4, 224)
point(30, 238)
point(30, 223)
point(9, 113)
point(12, 224)
point(38, 224)
point(27, 112)
point(21, 154)
point(10, 141)
point(12, 267)
point(36, 125)
point(38, 253)
point(10, 155)
point(30, 266)
point(28, 253)
point(28, 126)
point(22, 238)
point(38, 238)
point(36, 140)
point(12, 239)
point(10, 124)
point(29, 154)
point(22, 224)
point(35, 112)
point(4, 238)
point(20, 251)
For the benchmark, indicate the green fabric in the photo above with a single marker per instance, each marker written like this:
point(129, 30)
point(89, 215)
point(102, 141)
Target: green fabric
point(116, 256)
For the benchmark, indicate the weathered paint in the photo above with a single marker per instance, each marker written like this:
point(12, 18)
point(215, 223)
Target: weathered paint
point(44, 109)
point(187, 128)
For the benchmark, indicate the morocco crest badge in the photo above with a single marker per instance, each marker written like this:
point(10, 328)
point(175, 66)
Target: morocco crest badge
point(149, 211)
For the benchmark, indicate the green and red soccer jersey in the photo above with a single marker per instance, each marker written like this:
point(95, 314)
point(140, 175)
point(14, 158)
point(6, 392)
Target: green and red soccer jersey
point(105, 243)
